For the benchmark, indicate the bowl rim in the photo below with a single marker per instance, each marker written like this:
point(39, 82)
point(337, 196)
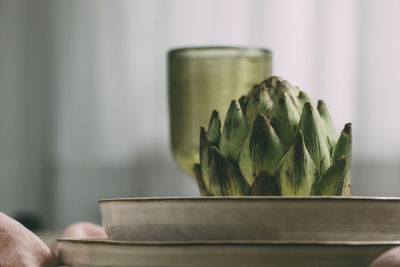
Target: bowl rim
point(226, 243)
point(250, 198)
point(200, 50)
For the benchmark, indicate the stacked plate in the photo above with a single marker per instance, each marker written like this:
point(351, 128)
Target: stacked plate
point(240, 231)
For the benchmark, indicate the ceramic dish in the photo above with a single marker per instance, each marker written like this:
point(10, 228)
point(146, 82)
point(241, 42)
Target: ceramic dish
point(252, 218)
point(215, 253)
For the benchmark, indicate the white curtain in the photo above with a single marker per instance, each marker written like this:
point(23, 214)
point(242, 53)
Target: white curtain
point(83, 97)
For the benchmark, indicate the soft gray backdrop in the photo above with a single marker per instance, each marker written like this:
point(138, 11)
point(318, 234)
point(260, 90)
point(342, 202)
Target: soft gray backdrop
point(83, 97)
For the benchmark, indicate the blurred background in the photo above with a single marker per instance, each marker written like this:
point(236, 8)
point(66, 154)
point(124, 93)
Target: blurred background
point(83, 91)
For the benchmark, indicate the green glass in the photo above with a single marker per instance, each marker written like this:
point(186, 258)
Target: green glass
point(202, 79)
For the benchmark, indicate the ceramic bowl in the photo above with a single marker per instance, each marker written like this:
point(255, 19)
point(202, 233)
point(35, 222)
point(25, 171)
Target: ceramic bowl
point(252, 218)
point(216, 253)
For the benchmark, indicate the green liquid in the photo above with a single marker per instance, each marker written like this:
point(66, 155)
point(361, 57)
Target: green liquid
point(202, 80)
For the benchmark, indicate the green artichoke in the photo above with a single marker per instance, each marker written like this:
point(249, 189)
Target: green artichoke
point(274, 142)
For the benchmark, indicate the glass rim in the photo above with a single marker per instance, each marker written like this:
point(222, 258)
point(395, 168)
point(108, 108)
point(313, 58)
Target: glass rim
point(218, 51)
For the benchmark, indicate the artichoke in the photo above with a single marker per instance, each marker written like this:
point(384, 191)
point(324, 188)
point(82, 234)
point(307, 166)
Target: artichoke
point(274, 142)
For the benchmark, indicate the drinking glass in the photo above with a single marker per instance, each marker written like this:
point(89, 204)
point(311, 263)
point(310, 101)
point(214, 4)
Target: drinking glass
point(201, 79)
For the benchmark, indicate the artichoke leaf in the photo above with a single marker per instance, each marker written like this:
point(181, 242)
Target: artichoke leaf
point(284, 119)
point(331, 183)
point(200, 182)
point(271, 84)
point(297, 172)
point(205, 157)
point(258, 101)
point(214, 129)
point(303, 98)
point(245, 162)
point(234, 132)
point(343, 147)
point(331, 137)
point(225, 178)
point(293, 91)
point(265, 185)
point(262, 150)
point(243, 102)
point(314, 133)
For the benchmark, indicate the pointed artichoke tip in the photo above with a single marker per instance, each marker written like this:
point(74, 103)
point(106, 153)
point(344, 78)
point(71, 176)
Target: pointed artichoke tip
point(307, 110)
point(271, 81)
point(233, 107)
point(347, 129)
point(215, 114)
point(261, 91)
point(261, 120)
point(308, 105)
point(202, 131)
point(243, 98)
point(233, 103)
point(283, 98)
point(303, 95)
point(214, 119)
point(203, 139)
point(279, 82)
point(321, 104)
point(281, 87)
point(261, 127)
point(243, 102)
